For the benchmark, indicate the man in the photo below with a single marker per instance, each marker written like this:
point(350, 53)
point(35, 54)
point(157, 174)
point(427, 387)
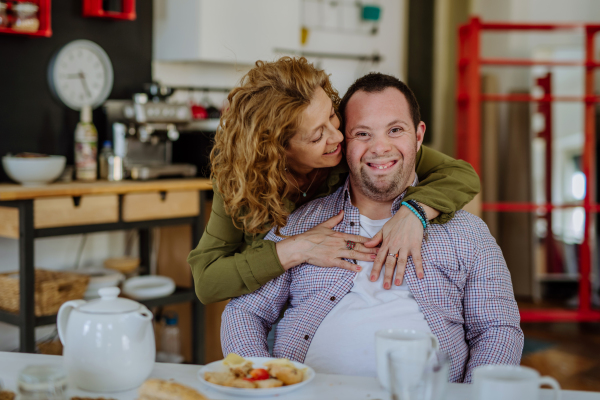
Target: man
point(465, 299)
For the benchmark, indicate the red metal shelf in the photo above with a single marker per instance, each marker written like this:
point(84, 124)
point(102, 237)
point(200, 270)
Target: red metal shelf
point(516, 26)
point(468, 139)
point(539, 99)
point(44, 16)
point(516, 62)
point(38, 33)
point(533, 207)
point(93, 8)
point(558, 315)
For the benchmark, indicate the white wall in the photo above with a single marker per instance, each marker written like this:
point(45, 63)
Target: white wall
point(390, 42)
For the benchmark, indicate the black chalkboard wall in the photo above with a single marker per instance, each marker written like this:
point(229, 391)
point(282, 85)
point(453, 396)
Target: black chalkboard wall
point(31, 119)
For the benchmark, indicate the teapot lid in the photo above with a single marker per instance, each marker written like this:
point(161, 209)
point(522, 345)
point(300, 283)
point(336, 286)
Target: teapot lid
point(110, 303)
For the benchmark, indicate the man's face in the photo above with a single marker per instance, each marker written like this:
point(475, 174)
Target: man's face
point(381, 143)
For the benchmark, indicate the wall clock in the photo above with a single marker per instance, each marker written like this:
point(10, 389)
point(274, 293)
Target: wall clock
point(81, 73)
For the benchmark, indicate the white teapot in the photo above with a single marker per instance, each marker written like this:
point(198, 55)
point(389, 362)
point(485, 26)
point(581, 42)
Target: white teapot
point(108, 343)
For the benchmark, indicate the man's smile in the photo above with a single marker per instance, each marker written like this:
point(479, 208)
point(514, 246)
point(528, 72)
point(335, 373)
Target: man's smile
point(382, 165)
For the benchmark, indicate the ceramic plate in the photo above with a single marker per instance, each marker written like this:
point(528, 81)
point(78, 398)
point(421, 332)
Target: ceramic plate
point(258, 362)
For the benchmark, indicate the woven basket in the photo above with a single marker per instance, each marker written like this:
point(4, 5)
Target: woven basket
point(52, 289)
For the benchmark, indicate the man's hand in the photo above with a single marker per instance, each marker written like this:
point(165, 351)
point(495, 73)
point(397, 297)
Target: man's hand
point(323, 247)
point(401, 235)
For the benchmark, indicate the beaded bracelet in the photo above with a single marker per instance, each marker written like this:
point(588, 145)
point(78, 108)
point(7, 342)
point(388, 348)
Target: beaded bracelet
point(411, 208)
point(419, 208)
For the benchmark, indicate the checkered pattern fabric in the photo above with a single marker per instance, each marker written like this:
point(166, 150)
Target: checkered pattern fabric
point(466, 295)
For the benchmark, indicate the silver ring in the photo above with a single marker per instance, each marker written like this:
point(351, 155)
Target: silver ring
point(392, 255)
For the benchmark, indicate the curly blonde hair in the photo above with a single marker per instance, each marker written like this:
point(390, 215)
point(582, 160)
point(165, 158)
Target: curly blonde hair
point(248, 159)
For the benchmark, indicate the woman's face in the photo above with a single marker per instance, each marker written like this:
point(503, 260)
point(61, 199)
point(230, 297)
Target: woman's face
point(318, 142)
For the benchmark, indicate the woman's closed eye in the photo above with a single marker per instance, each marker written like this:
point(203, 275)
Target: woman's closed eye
point(319, 138)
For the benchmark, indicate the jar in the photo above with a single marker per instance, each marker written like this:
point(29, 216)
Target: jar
point(3, 16)
point(26, 19)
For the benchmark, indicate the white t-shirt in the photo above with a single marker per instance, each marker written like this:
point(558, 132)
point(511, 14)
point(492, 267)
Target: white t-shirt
point(345, 341)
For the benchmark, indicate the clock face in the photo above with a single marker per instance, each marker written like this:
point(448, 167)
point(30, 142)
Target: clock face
point(81, 74)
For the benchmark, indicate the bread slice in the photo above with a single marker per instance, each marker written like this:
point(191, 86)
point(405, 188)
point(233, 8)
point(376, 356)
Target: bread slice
point(158, 389)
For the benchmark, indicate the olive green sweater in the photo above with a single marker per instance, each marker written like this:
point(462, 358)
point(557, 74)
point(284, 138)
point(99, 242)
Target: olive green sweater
point(229, 262)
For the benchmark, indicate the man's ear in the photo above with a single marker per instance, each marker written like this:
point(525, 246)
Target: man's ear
point(420, 134)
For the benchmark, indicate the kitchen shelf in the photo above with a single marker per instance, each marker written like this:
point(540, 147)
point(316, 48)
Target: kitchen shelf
point(181, 295)
point(22, 200)
point(44, 16)
point(93, 8)
point(38, 33)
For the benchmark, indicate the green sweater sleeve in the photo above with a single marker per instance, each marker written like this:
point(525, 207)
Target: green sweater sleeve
point(229, 263)
point(445, 184)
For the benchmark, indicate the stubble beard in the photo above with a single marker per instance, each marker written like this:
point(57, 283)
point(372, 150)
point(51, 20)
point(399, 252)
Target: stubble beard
point(395, 185)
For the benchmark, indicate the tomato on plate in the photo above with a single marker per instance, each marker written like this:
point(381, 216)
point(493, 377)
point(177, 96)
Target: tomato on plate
point(259, 374)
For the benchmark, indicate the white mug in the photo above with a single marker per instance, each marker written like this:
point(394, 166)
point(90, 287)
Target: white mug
point(514, 382)
point(417, 343)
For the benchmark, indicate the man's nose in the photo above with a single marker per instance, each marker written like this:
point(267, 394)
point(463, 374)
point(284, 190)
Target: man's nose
point(380, 144)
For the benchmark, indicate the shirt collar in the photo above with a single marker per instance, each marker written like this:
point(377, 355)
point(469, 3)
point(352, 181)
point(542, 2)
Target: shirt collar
point(395, 205)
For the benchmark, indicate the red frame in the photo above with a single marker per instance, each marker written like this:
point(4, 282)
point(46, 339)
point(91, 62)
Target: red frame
point(44, 15)
point(468, 138)
point(93, 8)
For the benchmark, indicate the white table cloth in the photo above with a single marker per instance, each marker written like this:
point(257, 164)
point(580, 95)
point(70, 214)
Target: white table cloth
point(324, 386)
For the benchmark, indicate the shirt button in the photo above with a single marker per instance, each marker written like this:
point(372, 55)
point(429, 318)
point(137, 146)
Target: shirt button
point(332, 298)
point(306, 337)
point(351, 223)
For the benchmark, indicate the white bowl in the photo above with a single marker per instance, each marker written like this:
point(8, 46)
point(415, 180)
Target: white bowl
point(148, 287)
point(34, 171)
point(100, 278)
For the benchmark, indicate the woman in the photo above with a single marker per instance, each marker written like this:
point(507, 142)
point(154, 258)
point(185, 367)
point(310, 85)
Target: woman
point(277, 147)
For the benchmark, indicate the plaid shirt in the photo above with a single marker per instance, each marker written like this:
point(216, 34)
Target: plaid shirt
point(466, 295)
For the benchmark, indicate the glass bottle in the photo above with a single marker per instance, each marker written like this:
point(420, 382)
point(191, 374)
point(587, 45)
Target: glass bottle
point(105, 154)
point(86, 147)
point(170, 342)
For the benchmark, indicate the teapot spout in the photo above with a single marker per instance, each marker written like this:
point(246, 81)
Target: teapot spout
point(141, 319)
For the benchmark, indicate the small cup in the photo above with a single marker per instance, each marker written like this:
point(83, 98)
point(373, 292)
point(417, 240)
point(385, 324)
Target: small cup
point(415, 342)
point(514, 382)
point(43, 382)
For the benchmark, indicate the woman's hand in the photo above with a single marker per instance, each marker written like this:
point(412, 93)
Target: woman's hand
point(323, 247)
point(401, 235)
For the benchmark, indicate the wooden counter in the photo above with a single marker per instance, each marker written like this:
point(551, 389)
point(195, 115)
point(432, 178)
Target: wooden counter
point(9, 191)
point(59, 209)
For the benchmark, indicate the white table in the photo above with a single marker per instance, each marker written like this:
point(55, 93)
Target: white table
point(324, 386)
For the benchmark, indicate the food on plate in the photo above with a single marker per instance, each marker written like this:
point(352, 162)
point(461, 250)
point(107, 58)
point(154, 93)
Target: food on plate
point(268, 383)
point(243, 383)
point(31, 155)
point(241, 374)
point(238, 365)
point(220, 378)
point(6, 395)
point(158, 389)
point(284, 370)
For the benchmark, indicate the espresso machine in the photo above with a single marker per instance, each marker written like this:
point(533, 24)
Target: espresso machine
point(143, 132)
